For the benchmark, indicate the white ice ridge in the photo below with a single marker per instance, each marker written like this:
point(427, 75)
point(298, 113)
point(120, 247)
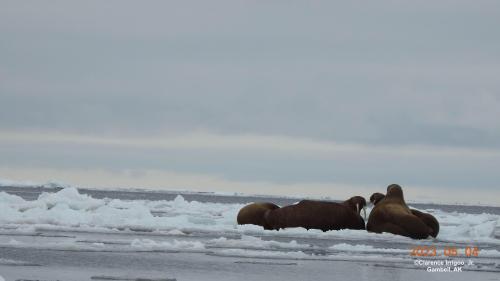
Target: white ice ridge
point(149, 245)
point(70, 210)
point(344, 247)
point(250, 242)
point(228, 247)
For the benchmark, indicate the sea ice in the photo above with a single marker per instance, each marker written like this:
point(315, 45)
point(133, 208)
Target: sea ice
point(67, 209)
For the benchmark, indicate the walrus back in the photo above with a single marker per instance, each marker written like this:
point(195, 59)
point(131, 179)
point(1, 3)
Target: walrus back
point(254, 213)
point(315, 215)
point(429, 220)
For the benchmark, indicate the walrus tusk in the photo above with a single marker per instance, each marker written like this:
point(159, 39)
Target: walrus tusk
point(357, 208)
point(364, 212)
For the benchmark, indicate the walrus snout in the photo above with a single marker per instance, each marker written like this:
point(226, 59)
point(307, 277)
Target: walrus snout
point(358, 203)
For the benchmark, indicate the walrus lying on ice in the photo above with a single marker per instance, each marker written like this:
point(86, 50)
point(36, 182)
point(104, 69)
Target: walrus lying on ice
point(319, 215)
point(254, 214)
point(308, 214)
point(391, 214)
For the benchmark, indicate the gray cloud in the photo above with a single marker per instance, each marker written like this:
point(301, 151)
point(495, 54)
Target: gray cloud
point(255, 158)
point(378, 74)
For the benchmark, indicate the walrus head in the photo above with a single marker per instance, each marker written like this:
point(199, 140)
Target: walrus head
point(376, 197)
point(394, 191)
point(357, 203)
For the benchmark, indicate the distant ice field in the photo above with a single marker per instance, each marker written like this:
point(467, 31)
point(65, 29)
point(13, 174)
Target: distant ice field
point(93, 221)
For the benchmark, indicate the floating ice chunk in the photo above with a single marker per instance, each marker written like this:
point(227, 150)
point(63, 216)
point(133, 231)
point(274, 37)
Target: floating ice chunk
point(487, 253)
point(262, 254)
point(72, 198)
point(148, 245)
point(480, 230)
point(15, 262)
point(9, 199)
point(175, 232)
point(300, 255)
point(344, 247)
point(255, 242)
point(179, 200)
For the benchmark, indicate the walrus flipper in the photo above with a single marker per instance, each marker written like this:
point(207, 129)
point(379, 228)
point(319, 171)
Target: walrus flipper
point(429, 220)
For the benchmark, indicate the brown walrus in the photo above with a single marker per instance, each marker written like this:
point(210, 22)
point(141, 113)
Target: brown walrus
point(391, 214)
point(319, 215)
point(254, 214)
point(376, 197)
point(428, 219)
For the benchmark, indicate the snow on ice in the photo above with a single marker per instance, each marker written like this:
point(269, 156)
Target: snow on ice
point(68, 210)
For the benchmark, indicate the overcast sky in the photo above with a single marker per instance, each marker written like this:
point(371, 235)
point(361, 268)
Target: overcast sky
point(270, 97)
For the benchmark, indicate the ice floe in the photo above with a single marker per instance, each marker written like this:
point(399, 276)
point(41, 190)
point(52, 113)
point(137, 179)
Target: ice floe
point(70, 210)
